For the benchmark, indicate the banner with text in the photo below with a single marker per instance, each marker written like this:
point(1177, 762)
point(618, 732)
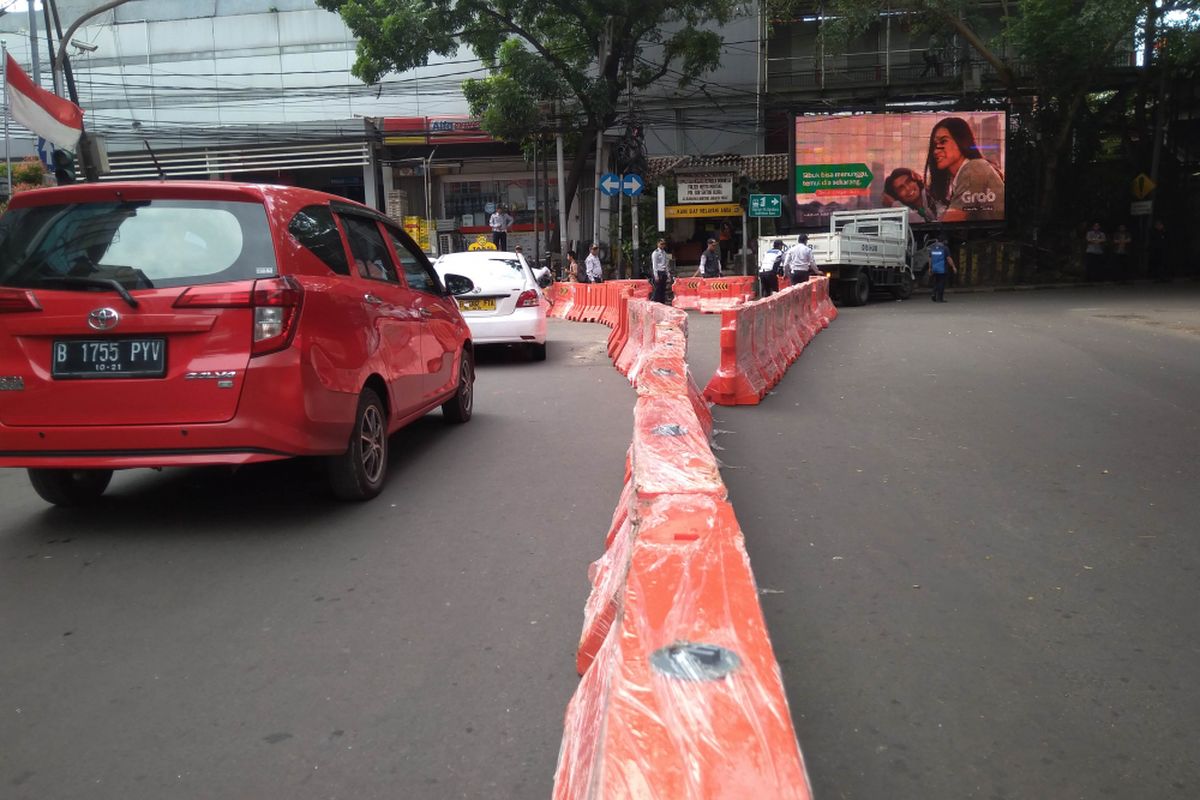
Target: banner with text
point(945, 167)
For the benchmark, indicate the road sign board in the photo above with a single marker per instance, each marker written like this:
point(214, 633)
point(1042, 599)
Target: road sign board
point(1142, 186)
point(766, 205)
point(1141, 208)
point(610, 184)
point(813, 178)
point(632, 185)
point(45, 152)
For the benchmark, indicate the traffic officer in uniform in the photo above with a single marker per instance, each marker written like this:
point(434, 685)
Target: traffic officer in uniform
point(660, 262)
point(769, 268)
point(800, 261)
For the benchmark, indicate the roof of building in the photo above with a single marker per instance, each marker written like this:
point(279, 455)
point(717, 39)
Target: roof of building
point(762, 168)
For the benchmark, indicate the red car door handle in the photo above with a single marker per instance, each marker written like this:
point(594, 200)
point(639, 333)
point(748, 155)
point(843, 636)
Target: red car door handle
point(425, 312)
point(372, 299)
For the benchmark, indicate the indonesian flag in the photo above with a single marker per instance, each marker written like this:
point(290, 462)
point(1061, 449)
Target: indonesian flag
point(54, 119)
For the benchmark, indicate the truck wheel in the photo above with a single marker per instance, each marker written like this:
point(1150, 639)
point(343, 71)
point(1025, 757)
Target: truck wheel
point(858, 291)
point(70, 487)
point(905, 289)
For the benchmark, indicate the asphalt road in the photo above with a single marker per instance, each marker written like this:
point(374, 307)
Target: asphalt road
point(208, 636)
point(975, 531)
point(972, 524)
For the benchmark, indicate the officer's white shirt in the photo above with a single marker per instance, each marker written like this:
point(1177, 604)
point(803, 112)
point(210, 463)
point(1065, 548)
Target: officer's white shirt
point(660, 260)
point(799, 258)
point(767, 264)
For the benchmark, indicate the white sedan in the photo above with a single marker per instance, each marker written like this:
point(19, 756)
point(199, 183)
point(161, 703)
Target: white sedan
point(506, 305)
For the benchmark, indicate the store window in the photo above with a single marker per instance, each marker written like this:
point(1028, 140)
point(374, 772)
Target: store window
point(470, 203)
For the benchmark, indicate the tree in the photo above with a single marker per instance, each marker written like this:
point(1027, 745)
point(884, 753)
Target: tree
point(554, 65)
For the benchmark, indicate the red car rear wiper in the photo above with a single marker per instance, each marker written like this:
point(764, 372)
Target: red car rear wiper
point(102, 283)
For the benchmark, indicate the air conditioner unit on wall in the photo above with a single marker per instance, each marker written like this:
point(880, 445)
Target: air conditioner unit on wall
point(446, 243)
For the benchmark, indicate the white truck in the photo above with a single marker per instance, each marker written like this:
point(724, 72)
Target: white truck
point(863, 251)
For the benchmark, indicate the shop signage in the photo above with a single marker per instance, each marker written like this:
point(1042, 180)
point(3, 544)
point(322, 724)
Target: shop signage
point(705, 210)
point(694, 189)
point(451, 129)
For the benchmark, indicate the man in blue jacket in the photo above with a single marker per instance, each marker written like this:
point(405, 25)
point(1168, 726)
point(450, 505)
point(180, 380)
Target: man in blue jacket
point(940, 263)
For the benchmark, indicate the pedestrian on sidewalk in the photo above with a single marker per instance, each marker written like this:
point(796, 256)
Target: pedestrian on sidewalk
point(940, 264)
point(574, 269)
point(595, 271)
point(1160, 267)
point(1120, 261)
point(1094, 253)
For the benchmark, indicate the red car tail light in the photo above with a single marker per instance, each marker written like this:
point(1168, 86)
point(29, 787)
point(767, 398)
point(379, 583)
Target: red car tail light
point(276, 309)
point(12, 300)
point(528, 299)
point(276, 303)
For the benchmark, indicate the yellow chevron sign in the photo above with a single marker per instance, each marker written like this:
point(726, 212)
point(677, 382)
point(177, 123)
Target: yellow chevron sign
point(704, 210)
point(719, 285)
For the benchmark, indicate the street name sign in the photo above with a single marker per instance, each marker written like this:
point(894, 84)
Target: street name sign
point(766, 205)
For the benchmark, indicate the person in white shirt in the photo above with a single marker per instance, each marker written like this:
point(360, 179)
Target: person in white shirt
point(595, 272)
point(660, 262)
point(500, 222)
point(799, 260)
point(770, 267)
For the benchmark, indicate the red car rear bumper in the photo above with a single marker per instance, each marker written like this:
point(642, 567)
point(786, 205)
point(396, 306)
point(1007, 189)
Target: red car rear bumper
point(278, 416)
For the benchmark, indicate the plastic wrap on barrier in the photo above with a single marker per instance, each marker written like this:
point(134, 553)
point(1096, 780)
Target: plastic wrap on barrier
point(607, 576)
point(684, 700)
point(635, 311)
point(737, 380)
point(620, 330)
point(671, 453)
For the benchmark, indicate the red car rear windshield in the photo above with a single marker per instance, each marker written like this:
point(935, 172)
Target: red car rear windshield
point(139, 244)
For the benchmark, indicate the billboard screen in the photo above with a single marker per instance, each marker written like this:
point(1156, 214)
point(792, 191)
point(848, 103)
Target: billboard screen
point(946, 167)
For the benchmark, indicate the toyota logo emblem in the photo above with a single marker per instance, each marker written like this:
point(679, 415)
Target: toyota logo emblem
point(104, 319)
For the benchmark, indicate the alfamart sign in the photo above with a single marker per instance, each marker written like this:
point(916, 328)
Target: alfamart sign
point(702, 189)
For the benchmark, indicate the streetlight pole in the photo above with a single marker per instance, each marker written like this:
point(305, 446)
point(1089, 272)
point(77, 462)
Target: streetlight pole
point(61, 56)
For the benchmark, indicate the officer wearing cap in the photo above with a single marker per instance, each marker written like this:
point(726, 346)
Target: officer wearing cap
point(770, 267)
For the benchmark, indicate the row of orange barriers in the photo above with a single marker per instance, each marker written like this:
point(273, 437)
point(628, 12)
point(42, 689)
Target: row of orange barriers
point(592, 302)
point(760, 340)
point(711, 295)
point(680, 695)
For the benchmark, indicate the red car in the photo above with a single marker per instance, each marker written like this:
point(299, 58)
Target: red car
point(197, 323)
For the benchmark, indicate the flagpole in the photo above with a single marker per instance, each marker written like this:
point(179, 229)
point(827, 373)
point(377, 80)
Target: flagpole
point(7, 155)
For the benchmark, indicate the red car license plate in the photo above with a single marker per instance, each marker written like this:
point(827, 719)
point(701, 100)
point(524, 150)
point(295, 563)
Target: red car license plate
point(109, 358)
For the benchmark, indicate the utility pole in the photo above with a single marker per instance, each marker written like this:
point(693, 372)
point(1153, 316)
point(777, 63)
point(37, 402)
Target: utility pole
point(633, 202)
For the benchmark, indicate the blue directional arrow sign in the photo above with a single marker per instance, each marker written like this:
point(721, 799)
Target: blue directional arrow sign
point(610, 184)
point(632, 185)
point(44, 150)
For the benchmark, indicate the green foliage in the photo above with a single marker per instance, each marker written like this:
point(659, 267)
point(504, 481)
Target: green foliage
point(553, 65)
point(28, 173)
point(540, 54)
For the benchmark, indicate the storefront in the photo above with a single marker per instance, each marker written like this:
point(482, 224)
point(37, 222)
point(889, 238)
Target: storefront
point(448, 171)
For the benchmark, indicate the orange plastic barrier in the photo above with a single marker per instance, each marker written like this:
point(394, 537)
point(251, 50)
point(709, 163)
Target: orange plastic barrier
point(687, 293)
point(683, 699)
point(760, 340)
point(680, 695)
point(718, 294)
